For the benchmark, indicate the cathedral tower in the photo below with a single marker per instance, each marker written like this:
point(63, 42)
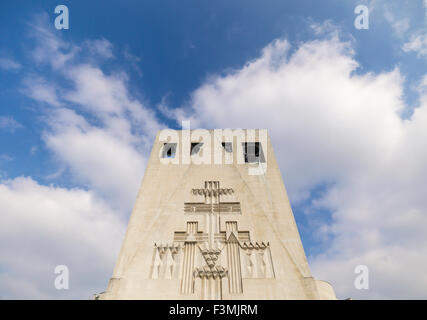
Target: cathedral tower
point(212, 220)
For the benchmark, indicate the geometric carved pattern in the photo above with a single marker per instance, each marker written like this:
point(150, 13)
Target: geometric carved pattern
point(224, 208)
point(166, 261)
point(257, 262)
point(212, 254)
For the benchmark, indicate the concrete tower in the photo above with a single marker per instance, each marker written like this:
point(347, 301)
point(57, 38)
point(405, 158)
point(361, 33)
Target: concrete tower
point(212, 220)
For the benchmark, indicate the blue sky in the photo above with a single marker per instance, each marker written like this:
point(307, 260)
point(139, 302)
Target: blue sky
point(344, 107)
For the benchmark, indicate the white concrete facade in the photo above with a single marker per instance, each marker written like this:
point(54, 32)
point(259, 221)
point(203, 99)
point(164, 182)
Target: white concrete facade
point(213, 231)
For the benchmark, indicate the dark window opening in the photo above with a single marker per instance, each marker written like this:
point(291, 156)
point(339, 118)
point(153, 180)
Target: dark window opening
point(195, 147)
point(228, 146)
point(169, 150)
point(253, 152)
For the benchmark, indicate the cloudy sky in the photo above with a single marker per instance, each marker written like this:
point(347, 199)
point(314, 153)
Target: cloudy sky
point(346, 110)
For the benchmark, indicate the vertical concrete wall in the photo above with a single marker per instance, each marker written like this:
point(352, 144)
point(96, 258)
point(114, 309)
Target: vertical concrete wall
point(243, 242)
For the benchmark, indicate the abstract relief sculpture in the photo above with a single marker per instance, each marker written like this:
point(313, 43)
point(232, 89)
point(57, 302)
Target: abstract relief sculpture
point(212, 255)
point(212, 220)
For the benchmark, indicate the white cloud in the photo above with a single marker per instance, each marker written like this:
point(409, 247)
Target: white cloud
point(331, 125)
point(5, 157)
point(100, 48)
point(50, 49)
point(9, 64)
point(45, 226)
point(97, 128)
point(418, 44)
point(41, 90)
point(133, 60)
point(107, 95)
point(8, 123)
point(98, 132)
point(418, 41)
point(400, 26)
point(325, 28)
point(106, 160)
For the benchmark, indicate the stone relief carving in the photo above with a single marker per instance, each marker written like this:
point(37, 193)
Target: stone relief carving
point(166, 261)
point(212, 256)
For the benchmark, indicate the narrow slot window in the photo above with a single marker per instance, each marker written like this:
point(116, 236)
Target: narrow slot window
point(195, 148)
point(169, 150)
point(228, 146)
point(253, 152)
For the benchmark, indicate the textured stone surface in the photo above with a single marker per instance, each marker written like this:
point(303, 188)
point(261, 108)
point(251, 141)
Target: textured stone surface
point(213, 231)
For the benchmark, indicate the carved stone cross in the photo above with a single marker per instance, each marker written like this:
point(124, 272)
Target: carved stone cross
point(199, 254)
point(212, 207)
